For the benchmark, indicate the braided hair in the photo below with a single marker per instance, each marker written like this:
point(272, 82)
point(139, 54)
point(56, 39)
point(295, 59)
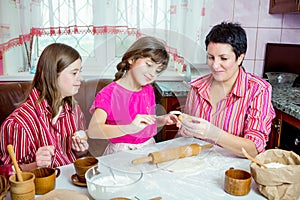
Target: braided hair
point(145, 47)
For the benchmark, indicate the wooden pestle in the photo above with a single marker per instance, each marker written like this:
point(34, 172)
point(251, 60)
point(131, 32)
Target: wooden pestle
point(14, 161)
point(172, 154)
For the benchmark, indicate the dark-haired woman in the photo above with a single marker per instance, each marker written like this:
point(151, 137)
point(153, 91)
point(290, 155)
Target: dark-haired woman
point(230, 107)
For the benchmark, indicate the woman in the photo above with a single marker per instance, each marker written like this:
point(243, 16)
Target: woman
point(124, 111)
point(41, 128)
point(230, 107)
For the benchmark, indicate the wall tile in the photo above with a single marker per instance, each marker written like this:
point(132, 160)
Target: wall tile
point(220, 11)
point(291, 36)
point(268, 20)
point(246, 12)
point(248, 65)
point(259, 68)
point(291, 20)
point(251, 42)
point(264, 36)
point(261, 27)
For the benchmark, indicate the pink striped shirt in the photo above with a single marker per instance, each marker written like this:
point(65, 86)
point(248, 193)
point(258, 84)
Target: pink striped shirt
point(30, 127)
point(247, 110)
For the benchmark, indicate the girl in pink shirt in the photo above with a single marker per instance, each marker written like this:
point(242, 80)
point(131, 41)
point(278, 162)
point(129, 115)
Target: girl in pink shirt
point(124, 111)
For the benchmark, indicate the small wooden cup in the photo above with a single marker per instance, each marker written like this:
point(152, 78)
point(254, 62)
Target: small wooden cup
point(4, 186)
point(237, 182)
point(22, 190)
point(45, 179)
point(81, 165)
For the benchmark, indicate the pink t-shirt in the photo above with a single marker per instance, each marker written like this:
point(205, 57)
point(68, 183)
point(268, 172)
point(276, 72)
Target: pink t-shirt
point(122, 105)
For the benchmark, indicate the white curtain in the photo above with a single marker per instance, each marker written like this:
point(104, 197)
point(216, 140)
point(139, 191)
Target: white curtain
point(26, 26)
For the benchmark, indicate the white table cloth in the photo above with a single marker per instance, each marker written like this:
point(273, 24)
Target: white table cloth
point(205, 182)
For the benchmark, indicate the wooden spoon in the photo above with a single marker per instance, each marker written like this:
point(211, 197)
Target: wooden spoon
point(253, 159)
point(14, 161)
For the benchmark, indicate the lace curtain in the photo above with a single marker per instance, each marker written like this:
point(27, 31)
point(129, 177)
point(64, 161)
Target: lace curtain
point(99, 30)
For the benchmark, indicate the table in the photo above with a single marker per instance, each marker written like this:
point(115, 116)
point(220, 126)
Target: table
point(206, 182)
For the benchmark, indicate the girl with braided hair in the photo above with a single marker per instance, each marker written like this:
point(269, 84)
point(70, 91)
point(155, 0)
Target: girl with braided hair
point(124, 111)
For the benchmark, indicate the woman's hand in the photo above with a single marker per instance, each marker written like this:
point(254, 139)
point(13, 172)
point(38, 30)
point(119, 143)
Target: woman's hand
point(44, 156)
point(79, 145)
point(199, 128)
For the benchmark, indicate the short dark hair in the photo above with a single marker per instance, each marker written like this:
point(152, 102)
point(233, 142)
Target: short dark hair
point(229, 33)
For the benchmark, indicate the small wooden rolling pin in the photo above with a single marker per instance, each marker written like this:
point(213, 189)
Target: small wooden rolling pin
point(172, 154)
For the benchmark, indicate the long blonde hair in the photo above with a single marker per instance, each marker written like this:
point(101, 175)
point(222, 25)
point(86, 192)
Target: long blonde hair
point(53, 60)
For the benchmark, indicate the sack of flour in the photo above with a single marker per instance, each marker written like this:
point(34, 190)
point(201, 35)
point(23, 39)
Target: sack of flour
point(281, 180)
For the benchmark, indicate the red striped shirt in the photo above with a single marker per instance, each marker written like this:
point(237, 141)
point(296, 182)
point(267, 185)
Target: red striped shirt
point(31, 126)
point(246, 111)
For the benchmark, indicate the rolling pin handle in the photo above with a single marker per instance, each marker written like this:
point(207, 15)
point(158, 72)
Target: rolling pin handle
point(142, 160)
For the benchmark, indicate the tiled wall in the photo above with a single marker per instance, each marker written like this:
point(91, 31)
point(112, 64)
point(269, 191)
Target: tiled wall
point(261, 27)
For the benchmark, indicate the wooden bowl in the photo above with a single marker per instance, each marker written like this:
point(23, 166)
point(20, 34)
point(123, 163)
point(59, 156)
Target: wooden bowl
point(4, 187)
point(24, 190)
point(237, 182)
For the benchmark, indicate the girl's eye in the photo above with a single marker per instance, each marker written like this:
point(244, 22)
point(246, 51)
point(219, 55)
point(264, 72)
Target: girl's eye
point(223, 58)
point(210, 57)
point(158, 71)
point(149, 64)
point(76, 72)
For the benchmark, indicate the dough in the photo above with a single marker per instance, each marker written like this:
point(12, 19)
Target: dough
point(81, 134)
point(188, 164)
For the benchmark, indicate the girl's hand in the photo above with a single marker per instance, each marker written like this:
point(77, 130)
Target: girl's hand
point(44, 156)
point(79, 145)
point(140, 122)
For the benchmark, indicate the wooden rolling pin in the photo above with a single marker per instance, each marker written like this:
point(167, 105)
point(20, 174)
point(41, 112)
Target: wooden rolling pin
point(172, 154)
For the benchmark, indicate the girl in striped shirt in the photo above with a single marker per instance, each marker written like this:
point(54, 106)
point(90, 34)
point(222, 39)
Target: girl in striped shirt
point(41, 128)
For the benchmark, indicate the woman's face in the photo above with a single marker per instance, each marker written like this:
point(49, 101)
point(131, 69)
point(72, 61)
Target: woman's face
point(222, 62)
point(144, 71)
point(69, 79)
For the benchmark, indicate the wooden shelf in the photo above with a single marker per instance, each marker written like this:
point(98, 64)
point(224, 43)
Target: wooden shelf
point(284, 6)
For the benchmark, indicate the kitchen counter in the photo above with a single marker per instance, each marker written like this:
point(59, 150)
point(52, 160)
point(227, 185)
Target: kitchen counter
point(284, 99)
point(287, 100)
point(172, 88)
point(107, 72)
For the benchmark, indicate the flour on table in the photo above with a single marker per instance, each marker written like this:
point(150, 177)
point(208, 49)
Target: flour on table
point(188, 164)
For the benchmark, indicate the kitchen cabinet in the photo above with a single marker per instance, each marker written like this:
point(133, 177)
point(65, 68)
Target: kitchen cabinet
point(170, 103)
point(284, 6)
point(285, 132)
point(169, 96)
